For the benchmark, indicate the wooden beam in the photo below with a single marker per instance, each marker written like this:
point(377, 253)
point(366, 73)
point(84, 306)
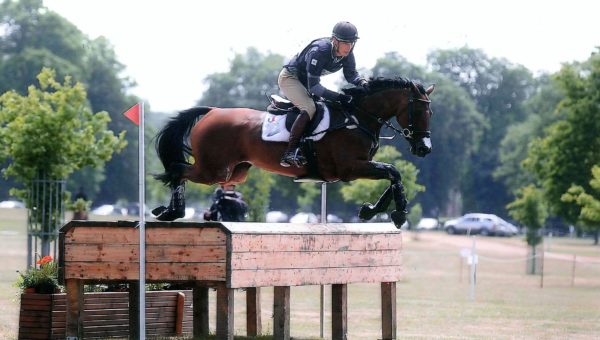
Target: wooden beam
point(253, 311)
point(339, 312)
point(134, 309)
point(388, 310)
point(281, 313)
point(200, 304)
point(74, 321)
point(179, 314)
point(224, 312)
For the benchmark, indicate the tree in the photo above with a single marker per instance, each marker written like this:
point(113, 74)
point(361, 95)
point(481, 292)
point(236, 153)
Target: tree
point(499, 90)
point(571, 144)
point(33, 37)
point(50, 133)
point(529, 209)
point(589, 218)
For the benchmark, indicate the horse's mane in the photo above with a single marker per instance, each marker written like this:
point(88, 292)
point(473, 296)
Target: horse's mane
point(380, 84)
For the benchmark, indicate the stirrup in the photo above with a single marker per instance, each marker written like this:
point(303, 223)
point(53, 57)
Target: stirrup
point(295, 158)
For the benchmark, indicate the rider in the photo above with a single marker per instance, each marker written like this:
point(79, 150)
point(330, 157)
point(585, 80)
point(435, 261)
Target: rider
point(300, 79)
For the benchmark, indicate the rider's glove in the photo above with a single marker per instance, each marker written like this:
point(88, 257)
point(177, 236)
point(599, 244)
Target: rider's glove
point(346, 100)
point(364, 85)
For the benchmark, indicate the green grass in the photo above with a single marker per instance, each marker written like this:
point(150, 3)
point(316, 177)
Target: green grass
point(432, 299)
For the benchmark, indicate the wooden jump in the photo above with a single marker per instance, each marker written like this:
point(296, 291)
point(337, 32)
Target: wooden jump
point(227, 256)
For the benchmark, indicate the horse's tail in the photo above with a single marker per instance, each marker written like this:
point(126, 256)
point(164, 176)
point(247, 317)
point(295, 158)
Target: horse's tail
point(171, 144)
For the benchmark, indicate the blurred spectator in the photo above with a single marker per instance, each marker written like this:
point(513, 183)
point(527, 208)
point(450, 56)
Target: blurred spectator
point(228, 206)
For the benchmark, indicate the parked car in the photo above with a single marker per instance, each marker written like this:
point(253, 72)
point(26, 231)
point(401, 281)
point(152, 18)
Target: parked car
point(303, 217)
point(427, 223)
point(483, 224)
point(276, 217)
point(11, 204)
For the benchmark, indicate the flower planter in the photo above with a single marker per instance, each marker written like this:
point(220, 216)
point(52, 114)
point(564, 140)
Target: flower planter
point(43, 316)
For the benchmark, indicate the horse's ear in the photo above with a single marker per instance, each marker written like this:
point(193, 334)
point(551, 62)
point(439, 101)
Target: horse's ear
point(430, 89)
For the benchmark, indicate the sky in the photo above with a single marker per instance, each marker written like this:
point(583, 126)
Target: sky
point(169, 47)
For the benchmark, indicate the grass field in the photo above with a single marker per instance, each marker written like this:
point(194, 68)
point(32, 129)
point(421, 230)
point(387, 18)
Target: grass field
point(433, 298)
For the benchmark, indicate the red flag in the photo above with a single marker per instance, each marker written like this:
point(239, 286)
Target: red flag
point(134, 114)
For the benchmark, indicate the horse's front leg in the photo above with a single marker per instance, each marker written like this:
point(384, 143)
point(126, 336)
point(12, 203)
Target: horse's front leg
point(378, 170)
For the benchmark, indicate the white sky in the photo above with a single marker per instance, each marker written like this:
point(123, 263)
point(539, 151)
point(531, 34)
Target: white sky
point(169, 47)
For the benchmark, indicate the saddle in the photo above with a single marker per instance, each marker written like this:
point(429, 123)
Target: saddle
point(281, 106)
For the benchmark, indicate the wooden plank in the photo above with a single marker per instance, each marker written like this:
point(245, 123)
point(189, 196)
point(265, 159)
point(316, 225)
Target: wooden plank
point(185, 236)
point(253, 312)
point(281, 313)
point(317, 259)
point(339, 312)
point(179, 318)
point(200, 311)
point(154, 271)
point(310, 228)
point(75, 311)
point(102, 235)
point(323, 242)
point(154, 253)
point(388, 310)
point(317, 276)
point(225, 312)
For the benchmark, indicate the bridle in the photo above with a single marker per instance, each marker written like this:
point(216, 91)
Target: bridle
point(408, 132)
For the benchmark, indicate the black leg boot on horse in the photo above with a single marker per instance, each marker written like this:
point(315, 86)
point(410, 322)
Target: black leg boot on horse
point(293, 155)
point(176, 207)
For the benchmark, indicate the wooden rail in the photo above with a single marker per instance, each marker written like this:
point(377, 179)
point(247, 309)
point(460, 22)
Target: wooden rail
point(226, 256)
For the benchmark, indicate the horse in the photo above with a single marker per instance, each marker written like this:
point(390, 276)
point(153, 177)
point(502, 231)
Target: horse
point(226, 142)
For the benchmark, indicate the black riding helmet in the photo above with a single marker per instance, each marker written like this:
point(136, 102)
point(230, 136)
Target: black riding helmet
point(345, 31)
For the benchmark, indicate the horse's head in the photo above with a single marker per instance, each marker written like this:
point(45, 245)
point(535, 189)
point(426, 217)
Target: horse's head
point(407, 101)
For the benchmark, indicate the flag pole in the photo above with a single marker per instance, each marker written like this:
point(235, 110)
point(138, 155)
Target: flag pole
point(142, 193)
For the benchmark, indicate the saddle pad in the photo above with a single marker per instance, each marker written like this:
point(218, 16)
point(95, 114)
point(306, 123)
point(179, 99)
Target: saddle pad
point(273, 127)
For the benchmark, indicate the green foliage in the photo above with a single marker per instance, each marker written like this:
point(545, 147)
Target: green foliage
point(52, 131)
point(414, 215)
point(256, 191)
point(79, 205)
point(366, 190)
point(589, 216)
point(43, 278)
point(571, 144)
point(530, 210)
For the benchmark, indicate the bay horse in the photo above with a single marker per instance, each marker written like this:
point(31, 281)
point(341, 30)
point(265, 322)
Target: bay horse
point(226, 142)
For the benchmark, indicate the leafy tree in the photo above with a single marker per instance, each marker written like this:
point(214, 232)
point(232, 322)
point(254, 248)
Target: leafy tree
point(50, 133)
point(572, 143)
point(33, 37)
point(542, 108)
point(499, 90)
point(589, 217)
point(529, 209)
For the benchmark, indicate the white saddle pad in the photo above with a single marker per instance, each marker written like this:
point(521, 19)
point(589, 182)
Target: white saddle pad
point(273, 127)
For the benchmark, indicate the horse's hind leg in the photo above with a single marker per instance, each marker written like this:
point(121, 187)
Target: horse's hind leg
point(176, 208)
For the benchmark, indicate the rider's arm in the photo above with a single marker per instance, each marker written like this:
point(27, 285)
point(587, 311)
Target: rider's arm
point(315, 59)
point(350, 73)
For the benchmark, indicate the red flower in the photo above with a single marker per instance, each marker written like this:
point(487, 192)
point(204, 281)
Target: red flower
point(44, 260)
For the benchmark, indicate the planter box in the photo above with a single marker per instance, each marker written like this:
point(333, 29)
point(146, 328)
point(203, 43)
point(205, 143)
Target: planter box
point(43, 316)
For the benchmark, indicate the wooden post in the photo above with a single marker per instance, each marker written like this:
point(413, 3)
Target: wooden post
point(134, 309)
point(200, 303)
point(339, 312)
point(74, 322)
point(253, 311)
point(388, 310)
point(224, 312)
point(281, 313)
point(179, 315)
point(573, 270)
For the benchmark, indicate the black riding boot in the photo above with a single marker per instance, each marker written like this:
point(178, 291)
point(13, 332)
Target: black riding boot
point(293, 155)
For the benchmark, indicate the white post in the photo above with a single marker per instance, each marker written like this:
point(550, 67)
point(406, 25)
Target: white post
point(473, 276)
point(324, 221)
point(142, 172)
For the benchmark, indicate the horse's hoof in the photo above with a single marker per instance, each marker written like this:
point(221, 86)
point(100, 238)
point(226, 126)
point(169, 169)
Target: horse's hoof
point(366, 211)
point(159, 210)
point(170, 215)
point(398, 217)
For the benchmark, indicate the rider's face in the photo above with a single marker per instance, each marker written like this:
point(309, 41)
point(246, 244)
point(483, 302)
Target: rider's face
point(343, 48)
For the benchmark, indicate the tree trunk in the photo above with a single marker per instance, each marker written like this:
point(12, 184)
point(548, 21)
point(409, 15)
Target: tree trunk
point(533, 263)
point(596, 232)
